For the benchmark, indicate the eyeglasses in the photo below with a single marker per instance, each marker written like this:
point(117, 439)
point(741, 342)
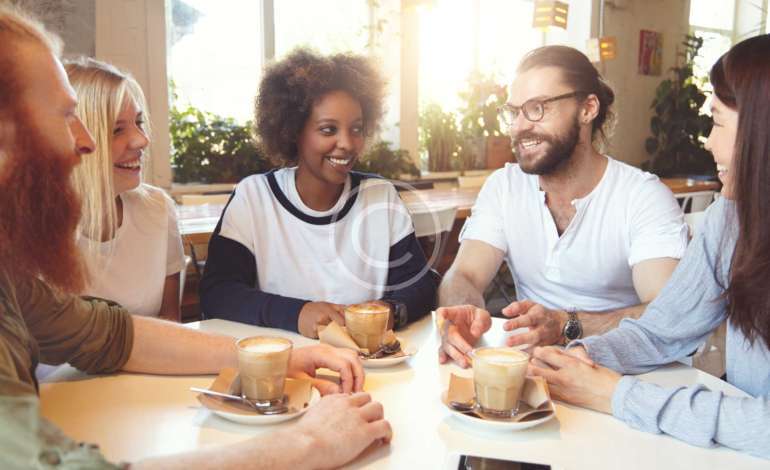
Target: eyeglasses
point(533, 109)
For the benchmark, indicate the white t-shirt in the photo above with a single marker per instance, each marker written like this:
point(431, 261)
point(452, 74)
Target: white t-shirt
point(629, 217)
point(146, 249)
point(340, 255)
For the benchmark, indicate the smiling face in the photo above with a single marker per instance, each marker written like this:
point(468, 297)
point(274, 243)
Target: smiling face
point(721, 143)
point(332, 138)
point(129, 141)
point(542, 146)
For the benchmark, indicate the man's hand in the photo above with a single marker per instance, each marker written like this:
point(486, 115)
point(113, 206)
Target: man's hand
point(305, 361)
point(315, 314)
point(545, 326)
point(571, 379)
point(340, 427)
point(461, 328)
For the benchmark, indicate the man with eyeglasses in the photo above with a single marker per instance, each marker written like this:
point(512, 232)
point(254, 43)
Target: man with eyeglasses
point(589, 240)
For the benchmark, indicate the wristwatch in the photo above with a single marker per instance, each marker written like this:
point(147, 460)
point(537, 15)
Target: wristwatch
point(573, 329)
point(400, 317)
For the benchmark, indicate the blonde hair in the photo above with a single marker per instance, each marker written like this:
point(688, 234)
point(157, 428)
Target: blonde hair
point(102, 90)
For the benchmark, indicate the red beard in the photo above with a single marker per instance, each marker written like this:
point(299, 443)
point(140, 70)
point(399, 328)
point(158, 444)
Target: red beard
point(39, 212)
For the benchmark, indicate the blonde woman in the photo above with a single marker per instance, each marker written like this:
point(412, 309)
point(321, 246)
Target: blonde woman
point(128, 231)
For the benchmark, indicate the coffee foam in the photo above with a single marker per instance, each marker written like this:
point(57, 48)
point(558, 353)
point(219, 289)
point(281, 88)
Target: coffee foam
point(265, 347)
point(502, 356)
point(368, 308)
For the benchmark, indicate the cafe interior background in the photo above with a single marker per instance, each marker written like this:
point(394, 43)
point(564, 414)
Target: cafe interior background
point(448, 64)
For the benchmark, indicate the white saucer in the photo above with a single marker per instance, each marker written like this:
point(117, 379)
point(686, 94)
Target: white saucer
point(256, 418)
point(497, 425)
point(388, 361)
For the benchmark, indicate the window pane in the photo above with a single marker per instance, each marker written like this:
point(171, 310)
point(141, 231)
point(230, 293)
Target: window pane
point(327, 27)
point(448, 46)
point(506, 35)
point(714, 14)
point(714, 45)
point(215, 54)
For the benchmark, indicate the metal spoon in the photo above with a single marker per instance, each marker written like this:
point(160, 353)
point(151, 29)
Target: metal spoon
point(466, 407)
point(471, 408)
point(265, 410)
point(385, 350)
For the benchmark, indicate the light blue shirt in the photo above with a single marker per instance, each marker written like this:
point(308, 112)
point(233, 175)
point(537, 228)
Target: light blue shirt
point(686, 311)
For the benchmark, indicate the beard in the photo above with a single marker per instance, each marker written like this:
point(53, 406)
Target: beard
point(39, 212)
point(560, 149)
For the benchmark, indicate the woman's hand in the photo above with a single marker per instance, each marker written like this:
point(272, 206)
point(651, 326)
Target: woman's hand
point(315, 314)
point(572, 379)
point(305, 361)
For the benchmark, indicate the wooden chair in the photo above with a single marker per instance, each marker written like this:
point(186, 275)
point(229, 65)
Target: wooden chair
point(436, 224)
point(696, 201)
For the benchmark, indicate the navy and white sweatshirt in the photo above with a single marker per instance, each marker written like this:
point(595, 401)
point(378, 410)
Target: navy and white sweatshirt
point(270, 253)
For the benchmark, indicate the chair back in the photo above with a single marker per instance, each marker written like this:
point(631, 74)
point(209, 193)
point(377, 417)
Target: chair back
point(433, 222)
point(696, 201)
point(183, 277)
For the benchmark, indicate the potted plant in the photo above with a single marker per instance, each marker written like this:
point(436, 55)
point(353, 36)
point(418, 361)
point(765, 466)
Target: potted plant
point(207, 148)
point(678, 127)
point(480, 123)
point(380, 159)
point(442, 140)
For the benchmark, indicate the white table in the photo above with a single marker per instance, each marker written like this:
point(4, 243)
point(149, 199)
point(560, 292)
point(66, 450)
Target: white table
point(132, 416)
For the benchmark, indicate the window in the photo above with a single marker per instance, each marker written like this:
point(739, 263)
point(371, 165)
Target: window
point(457, 38)
point(712, 20)
point(767, 19)
point(217, 50)
point(328, 27)
point(215, 54)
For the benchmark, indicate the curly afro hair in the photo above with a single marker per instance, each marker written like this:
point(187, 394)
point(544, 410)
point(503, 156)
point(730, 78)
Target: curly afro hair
point(290, 88)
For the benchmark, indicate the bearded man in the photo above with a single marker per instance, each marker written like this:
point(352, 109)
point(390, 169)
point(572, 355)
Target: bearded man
point(41, 140)
point(589, 240)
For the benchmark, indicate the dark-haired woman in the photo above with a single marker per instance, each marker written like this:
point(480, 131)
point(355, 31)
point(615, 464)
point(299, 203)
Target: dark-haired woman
point(296, 245)
point(724, 275)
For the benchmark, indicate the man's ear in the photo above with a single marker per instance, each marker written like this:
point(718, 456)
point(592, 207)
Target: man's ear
point(589, 109)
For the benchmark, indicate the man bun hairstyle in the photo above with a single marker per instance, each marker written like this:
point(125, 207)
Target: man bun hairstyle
point(579, 73)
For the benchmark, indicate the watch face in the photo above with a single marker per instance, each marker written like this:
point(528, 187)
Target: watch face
point(572, 330)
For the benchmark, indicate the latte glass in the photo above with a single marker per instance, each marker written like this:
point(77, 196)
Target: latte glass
point(366, 323)
point(262, 363)
point(498, 378)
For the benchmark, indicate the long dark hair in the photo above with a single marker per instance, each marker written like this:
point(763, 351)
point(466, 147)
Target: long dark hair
point(741, 80)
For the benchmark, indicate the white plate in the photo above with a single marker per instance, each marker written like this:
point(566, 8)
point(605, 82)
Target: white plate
point(255, 418)
point(495, 425)
point(390, 360)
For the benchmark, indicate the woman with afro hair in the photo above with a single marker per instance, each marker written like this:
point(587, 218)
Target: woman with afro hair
point(296, 245)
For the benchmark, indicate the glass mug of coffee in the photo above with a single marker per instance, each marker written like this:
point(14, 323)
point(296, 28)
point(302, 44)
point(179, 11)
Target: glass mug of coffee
point(498, 378)
point(366, 323)
point(262, 364)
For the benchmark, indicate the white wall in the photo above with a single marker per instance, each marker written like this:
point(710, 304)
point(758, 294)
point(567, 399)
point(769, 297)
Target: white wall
point(132, 35)
point(635, 92)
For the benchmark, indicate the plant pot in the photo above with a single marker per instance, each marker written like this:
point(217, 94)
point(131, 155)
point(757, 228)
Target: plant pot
point(498, 150)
